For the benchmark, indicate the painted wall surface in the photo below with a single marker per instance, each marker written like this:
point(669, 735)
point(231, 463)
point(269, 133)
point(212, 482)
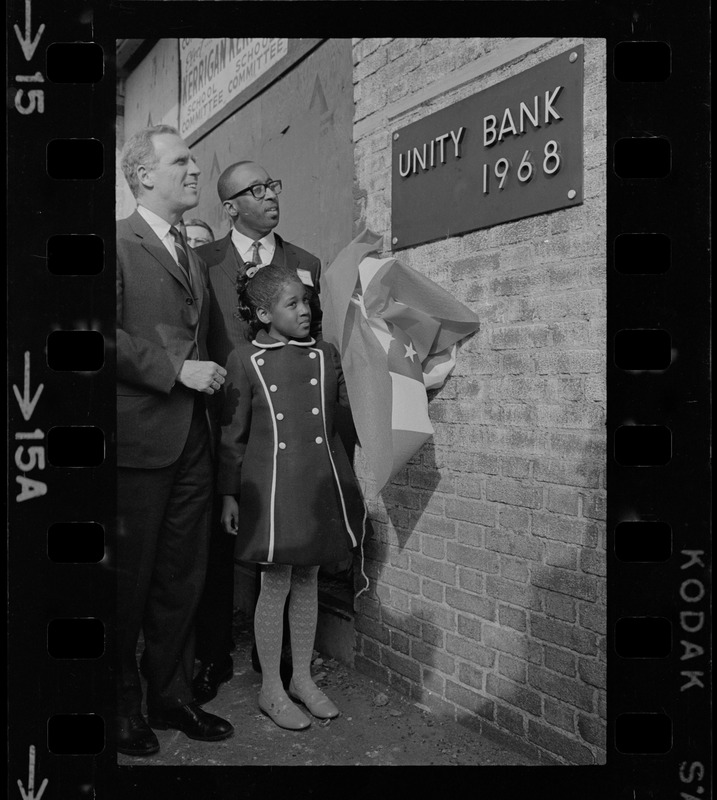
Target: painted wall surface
point(152, 90)
point(487, 601)
point(149, 96)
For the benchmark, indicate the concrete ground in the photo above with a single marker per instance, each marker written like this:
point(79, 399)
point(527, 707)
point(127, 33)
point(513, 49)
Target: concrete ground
point(376, 727)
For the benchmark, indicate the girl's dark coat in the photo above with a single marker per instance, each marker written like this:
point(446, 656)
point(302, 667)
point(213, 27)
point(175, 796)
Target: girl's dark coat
point(299, 502)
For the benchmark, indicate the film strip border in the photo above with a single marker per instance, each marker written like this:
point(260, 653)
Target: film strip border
point(61, 420)
point(61, 399)
point(658, 475)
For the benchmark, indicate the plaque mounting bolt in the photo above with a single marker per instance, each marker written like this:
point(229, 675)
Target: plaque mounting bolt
point(394, 240)
point(395, 136)
point(573, 57)
point(571, 194)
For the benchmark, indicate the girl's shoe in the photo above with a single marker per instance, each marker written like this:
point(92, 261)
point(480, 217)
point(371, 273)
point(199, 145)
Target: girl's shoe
point(284, 713)
point(316, 701)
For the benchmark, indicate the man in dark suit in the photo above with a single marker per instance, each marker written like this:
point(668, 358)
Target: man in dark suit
point(165, 474)
point(250, 197)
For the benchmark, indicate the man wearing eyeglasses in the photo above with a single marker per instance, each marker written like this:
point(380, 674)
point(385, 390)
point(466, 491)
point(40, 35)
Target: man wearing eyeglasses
point(251, 199)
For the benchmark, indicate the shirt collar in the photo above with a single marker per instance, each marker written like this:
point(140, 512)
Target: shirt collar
point(159, 226)
point(266, 342)
point(243, 243)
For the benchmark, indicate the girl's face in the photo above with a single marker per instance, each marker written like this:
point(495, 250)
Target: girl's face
point(290, 316)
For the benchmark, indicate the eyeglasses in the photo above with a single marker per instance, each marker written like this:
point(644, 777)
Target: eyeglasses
point(259, 190)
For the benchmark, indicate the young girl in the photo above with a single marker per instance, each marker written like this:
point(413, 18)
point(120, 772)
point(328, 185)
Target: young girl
point(289, 490)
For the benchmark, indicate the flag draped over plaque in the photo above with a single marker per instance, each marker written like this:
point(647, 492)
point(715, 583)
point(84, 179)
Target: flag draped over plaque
point(397, 332)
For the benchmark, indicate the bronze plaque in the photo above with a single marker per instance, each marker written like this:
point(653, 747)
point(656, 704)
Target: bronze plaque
point(511, 151)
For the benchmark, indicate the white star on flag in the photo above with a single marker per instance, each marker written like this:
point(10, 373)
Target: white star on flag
point(391, 351)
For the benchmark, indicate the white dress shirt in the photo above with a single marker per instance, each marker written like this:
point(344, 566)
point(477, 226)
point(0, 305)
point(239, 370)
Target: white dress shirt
point(161, 228)
point(244, 244)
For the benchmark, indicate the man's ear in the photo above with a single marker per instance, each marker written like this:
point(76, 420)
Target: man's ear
point(144, 176)
point(231, 210)
point(263, 315)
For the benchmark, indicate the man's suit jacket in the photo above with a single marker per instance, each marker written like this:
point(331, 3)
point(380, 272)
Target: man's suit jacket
point(161, 322)
point(226, 330)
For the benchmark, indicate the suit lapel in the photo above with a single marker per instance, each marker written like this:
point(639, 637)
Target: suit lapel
point(279, 252)
point(229, 262)
point(152, 244)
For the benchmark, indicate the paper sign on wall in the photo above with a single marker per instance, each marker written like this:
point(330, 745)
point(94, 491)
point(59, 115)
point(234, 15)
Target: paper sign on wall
point(215, 71)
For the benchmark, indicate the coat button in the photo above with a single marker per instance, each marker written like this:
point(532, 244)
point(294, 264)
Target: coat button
point(260, 362)
point(272, 388)
point(189, 301)
point(282, 445)
point(314, 381)
point(312, 355)
point(318, 440)
point(280, 415)
point(314, 411)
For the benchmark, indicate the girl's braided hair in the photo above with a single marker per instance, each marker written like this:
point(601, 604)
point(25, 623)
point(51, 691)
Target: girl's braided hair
point(261, 291)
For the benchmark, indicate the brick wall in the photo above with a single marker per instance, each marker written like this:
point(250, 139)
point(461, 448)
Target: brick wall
point(487, 598)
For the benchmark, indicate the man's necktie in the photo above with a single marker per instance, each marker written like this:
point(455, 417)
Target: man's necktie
point(181, 250)
point(253, 266)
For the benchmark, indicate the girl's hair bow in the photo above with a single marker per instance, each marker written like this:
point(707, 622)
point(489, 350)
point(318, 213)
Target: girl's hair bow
point(251, 271)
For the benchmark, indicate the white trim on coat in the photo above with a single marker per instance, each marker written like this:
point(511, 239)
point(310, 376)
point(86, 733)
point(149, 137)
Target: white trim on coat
point(328, 448)
point(274, 344)
point(270, 552)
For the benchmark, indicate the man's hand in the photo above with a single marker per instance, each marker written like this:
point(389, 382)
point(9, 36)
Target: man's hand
point(230, 514)
point(202, 376)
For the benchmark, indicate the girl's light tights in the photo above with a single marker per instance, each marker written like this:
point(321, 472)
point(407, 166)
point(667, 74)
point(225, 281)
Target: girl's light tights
point(300, 584)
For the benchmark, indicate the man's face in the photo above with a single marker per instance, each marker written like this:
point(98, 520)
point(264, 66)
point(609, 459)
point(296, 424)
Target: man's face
point(197, 236)
point(252, 217)
point(171, 185)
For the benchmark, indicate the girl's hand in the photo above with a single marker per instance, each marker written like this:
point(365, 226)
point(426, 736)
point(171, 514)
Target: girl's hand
point(230, 514)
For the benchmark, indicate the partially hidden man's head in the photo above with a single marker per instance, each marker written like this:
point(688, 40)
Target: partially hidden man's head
point(238, 186)
point(197, 233)
point(161, 171)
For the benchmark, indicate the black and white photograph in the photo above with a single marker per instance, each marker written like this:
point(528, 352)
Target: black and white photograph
point(443, 203)
point(322, 352)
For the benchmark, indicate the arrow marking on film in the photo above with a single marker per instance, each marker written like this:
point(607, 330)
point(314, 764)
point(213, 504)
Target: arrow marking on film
point(26, 41)
point(30, 793)
point(25, 401)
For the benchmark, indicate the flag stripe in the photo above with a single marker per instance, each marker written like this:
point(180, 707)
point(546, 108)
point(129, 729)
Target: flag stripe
point(370, 393)
point(409, 409)
point(369, 268)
